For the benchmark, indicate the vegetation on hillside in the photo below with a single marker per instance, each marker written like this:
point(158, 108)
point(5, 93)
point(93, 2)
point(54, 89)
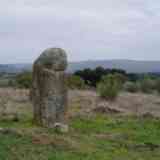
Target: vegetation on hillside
point(92, 77)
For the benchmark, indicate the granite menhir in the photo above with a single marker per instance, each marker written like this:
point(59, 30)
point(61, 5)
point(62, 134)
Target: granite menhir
point(49, 91)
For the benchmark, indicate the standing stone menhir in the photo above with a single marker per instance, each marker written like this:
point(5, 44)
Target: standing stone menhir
point(49, 91)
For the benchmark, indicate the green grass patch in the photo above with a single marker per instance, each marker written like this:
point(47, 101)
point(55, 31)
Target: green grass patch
point(97, 138)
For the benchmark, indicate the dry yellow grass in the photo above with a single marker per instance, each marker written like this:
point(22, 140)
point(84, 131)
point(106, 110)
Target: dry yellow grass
point(84, 103)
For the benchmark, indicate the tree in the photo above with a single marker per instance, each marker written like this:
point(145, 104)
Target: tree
point(93, 76)
point(24, 80)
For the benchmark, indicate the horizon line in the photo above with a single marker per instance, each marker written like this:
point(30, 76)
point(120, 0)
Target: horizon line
point(89, 60)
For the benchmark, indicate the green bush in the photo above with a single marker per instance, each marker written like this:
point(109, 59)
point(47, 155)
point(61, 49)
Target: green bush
point(147, 85)
point(157, 87)
point(132, 87)
point(75, 82)
point(109, 87)
point(24, 80)
point(121, 79)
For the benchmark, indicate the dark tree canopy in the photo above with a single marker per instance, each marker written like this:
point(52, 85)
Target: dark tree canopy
point(93, 76)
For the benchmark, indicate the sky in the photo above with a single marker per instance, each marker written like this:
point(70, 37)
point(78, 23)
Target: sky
point(86, 29)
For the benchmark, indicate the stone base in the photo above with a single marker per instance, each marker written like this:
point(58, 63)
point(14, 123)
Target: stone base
point(61, 128)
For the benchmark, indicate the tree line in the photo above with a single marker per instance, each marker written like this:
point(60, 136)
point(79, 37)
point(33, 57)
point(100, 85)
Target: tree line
point(107, 82)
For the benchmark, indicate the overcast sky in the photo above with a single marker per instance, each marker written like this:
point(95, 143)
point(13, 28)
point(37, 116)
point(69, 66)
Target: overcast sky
point(86, 29)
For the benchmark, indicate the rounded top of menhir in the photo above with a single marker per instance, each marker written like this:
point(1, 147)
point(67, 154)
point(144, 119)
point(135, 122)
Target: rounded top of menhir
point(53, 58)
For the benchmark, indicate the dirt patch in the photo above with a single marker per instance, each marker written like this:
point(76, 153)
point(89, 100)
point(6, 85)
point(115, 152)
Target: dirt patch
point(55, 141)
point(85, 102)
point(113, 136)
point(147, 115)
point(148, 146)
point(116, 137)
point(139, 104)
point(42, 139)
point(107, 110)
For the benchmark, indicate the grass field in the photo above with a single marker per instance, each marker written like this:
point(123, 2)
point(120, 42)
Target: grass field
point(98, 136)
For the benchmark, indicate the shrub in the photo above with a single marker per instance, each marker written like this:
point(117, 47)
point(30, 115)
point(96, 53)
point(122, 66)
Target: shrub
point(158, 85)
point(24, 80)
point(108, 87)
point(121, 79)
point(147, 85)
point(131, 87)
point(75, 82)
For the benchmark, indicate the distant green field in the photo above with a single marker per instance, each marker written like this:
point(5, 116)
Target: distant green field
point(98, 138)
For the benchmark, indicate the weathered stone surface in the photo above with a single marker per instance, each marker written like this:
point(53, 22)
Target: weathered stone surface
point(49, 91)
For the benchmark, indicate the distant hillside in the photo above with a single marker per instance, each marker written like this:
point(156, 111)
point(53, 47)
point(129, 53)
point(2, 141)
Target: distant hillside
point(131, 66)
point(14, 68)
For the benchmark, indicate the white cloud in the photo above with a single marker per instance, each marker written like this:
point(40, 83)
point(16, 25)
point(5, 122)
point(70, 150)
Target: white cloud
point(87, 29)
